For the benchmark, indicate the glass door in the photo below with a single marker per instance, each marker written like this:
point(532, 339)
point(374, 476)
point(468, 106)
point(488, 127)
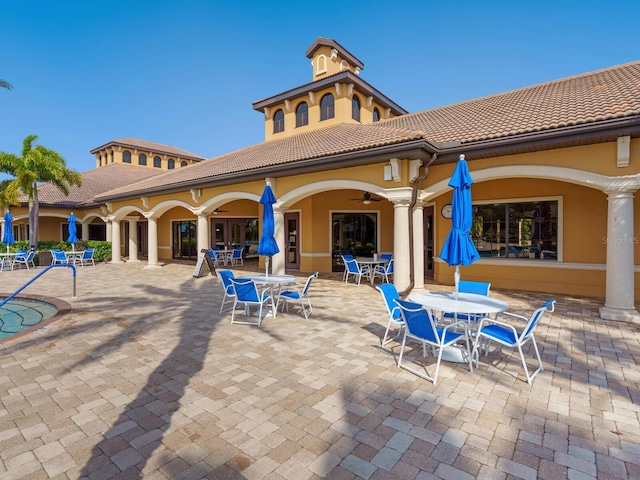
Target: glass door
point(428, 242)
point(353, 233)
point(184, 240)
point(292, 254)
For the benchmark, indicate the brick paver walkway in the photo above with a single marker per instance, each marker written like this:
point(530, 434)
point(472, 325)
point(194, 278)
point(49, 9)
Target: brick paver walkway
point(144, 379)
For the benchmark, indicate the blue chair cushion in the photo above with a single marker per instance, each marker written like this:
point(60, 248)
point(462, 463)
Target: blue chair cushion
point(500, 333)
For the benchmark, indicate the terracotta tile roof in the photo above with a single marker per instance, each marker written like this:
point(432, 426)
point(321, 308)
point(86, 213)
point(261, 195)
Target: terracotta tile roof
point(597, 96)
point(325, 142)
point(581, 100)
point(94, 182)
point(150, 146)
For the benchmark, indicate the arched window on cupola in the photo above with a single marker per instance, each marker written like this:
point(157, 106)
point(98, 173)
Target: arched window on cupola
point(376, 114)
point(327, 109)
point(355, 108)
point(278, 121)
point(302, 114)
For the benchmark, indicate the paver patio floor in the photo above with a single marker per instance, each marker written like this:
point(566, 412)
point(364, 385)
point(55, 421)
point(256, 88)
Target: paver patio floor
point(144, 379)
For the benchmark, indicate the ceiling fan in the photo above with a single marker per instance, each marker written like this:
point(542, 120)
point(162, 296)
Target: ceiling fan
point(366, 199)
point(217, 211)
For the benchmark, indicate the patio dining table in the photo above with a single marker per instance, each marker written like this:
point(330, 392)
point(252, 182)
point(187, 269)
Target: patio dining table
point(271, 281)
point(7, 258)
point(465, 303)
point(372, 263)
point(223, 255)
point(74, 256)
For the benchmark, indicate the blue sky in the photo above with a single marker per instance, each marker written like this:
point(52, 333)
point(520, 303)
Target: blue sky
point(185, 73)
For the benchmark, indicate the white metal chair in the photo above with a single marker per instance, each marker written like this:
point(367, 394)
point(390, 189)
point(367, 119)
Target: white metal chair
point(236, 256)
point(384, 271)
point(6, 261)
point(246, 293)
point(390, 295)
point(298, 293)
point(225, 277)
point(87, 257)
point(490, 330)
point(25, 259)
point(420, 325)
point(345, 257)
point(353, 268)
point(58, 256)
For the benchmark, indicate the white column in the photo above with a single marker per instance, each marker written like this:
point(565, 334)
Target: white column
point(108, 234)
point(115, 242)
point(1, 227)
point(85, 231)
point(152, 255)
point(418, 248)
point(401, 267)
point(133, 240)
point(277, 261)
point(203, 232)
point(619, 301)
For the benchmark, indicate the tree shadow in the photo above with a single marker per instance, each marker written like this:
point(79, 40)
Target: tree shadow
point(138, 431)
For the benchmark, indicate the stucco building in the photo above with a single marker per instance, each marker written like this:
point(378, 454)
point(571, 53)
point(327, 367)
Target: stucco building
point(556, 167)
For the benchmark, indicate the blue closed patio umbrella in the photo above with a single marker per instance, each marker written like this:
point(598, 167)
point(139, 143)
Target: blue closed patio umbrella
point(73, 229)
point(458, 248)
point(7, 237)
point(268, 245)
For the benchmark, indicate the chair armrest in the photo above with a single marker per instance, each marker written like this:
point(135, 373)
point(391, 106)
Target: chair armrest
point(464, 324)
point(496, 322)
point(513, 315)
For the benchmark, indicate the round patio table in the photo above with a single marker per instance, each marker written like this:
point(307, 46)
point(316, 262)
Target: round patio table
point(467, 303)
point(270, 280)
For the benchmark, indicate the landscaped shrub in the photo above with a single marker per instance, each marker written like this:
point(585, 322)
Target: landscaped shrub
point(102, 249)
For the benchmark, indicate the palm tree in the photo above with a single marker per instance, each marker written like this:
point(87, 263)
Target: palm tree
point(6, 85)
point(37, 164)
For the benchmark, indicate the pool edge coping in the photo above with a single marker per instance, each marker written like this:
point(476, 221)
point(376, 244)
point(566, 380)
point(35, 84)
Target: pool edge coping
point(63, 307)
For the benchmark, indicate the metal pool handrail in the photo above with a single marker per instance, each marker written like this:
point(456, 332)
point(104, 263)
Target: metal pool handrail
point(73, 267)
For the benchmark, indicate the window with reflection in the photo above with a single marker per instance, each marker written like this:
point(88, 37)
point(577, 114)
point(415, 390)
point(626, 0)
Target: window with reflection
point(142, 159)
point(183, 163)
point(355, 108)
point(302, 114)
point(157, 162)
point(278, 121)
point(376, 114)
point(354, 233)
point(126, 157)
point(171, 164)
point(327, 107)
point(526, 230)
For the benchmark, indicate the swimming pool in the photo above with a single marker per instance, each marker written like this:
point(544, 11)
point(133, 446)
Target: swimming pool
point(23, 314)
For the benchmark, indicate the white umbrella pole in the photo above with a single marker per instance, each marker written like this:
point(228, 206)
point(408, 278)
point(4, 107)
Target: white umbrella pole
point(456, 278)
point(266, 263)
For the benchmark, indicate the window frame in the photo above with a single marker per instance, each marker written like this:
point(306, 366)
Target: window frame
point(157, 162)
point(522, 252)
point(126, 156)
point(355, 108)
point(302, 118)
point(171, 164)
point(278, 121)
point(142, 159)
point(328, 111)
point(376, 114)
